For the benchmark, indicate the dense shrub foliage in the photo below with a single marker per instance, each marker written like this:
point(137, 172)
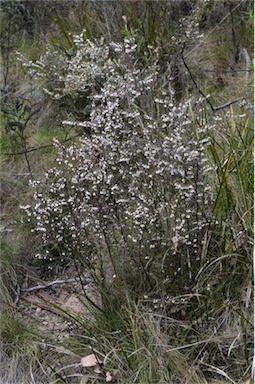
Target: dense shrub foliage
point(135, 190)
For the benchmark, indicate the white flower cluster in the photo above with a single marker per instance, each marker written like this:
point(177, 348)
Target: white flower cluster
point(138, 184)
point(86, 66)
point(191, 27)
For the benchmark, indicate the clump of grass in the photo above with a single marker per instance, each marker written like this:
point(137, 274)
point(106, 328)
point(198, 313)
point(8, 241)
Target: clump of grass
point(136, 345)
point(17, 338)
point(8, 277)
point(225, 281)
point(15, 369)
point(231, 151)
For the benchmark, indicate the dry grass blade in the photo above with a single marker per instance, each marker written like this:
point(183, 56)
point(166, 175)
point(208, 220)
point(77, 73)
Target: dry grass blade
point(220, 372)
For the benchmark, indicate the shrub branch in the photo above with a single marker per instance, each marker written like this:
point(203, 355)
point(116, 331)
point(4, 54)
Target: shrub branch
point(213, 108)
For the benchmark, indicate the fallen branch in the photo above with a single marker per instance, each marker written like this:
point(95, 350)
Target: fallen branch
point(46, 304)
point(85, 281)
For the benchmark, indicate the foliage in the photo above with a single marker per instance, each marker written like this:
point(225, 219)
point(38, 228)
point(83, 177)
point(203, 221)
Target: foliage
point(154, 200)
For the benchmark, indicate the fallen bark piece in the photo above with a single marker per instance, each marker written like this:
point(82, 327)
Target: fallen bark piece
point(85, 379)
point(46, 304)
point(97, 369)
point(108, 377)
point(90, 361)
point(111, 376)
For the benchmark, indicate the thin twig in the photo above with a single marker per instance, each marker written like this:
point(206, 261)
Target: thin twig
point(27, 161)
point(213, 108)
point(227, 104)
point(17, 295)
point(38, 148)
point(230, 70)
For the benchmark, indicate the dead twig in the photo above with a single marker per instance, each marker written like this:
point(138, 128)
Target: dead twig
point(38, 148)
point(213, 108)
point(85, 281)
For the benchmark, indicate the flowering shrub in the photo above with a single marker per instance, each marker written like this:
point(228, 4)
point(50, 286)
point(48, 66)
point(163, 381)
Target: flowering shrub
point(133, 195)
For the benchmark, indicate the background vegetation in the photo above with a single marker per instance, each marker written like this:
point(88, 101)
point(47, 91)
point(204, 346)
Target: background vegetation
point(127, 161)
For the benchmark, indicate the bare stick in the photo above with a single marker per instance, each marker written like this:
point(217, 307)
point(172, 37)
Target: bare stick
point(85, 281)
point(227, 104)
